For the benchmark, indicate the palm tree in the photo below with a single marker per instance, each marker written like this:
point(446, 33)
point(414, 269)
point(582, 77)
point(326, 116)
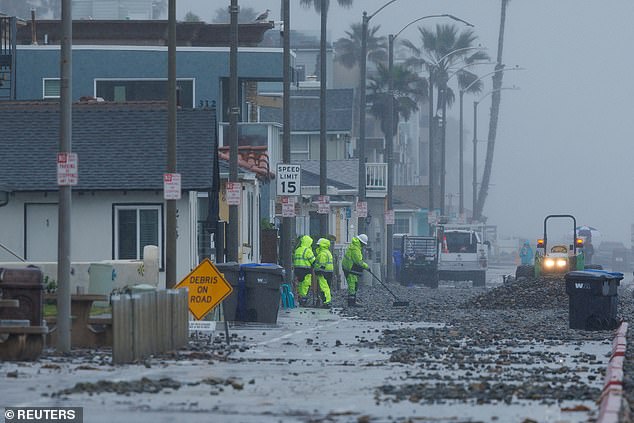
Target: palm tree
point(191, 17)
point(321, 6)
point(496, 97)
point(348, 53)
point(408, 90)
point(442, 51)
point(348, 48)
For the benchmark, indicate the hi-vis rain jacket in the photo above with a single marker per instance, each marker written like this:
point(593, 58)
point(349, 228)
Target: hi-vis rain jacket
point(303, 257)
point(353, 258)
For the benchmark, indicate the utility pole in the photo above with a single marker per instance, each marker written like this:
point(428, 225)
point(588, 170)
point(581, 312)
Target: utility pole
point(232, 233)
point(323, 128)
point(475, 158)
point(430, 201)
point(389, 144)
point(65, 191)
point(361, 140)
point(288, 223)
point(170, 235)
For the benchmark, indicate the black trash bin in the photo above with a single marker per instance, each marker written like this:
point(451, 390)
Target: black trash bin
point(231, 271)
point(593, 299)
point(262, 282)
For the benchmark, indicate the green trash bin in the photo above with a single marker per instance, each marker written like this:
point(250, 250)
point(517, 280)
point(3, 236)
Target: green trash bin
point(231, 272)
point(593, 299)
point(262, 284)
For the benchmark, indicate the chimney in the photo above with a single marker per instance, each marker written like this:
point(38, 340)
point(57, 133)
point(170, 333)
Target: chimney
point(33, 31)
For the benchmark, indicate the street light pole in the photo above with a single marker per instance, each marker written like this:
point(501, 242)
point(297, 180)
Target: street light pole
point(475, 141)
point(389, 137)
point(232, 233)
point(475, 156)
point(461, 164)
point(361, 227)
point(389, 152)
point(361, 140)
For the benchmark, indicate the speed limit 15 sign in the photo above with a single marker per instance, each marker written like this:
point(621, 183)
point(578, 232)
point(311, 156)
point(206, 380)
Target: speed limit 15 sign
point(288, 179)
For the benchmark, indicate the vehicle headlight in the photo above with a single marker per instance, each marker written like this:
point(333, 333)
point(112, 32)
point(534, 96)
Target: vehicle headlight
point(562, 263)
point(549, 262)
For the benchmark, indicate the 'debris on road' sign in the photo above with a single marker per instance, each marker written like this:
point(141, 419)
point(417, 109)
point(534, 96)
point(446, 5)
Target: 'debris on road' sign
point(207, 287)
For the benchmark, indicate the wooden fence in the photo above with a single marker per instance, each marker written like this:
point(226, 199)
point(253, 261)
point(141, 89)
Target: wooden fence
point(148, 323)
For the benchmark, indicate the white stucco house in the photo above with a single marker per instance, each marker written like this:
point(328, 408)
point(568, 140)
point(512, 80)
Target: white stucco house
point(117, 205)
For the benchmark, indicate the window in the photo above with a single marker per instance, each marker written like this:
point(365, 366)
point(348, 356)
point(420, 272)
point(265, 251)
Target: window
point(135, 227)
point(144, 90)
point(401, 225)
point(461, 242)
point(50, 88)
point(300, 147)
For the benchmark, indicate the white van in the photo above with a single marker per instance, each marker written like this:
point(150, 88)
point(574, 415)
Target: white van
point(462, 256)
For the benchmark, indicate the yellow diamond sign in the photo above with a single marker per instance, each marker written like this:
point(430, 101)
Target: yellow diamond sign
point(207, 287)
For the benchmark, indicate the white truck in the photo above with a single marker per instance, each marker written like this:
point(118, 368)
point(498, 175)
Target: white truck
point(463, 255)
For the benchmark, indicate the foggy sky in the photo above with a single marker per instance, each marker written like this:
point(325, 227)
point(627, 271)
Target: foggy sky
point(564, 142)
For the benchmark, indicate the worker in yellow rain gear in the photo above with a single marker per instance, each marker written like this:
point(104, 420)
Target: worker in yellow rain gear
point(303, 261)
point(353, 267)
point(324, 269)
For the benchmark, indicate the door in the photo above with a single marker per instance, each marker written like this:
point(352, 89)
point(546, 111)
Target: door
point(41, 232)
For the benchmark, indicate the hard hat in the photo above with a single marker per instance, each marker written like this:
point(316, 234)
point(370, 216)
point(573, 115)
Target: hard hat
point(320, 240)
point(363, 238)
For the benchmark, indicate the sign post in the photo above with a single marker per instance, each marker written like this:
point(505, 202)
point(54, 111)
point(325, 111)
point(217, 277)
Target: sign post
point(207, 288)
point(172, 186)
point(67, 170)
point(289, 179)
point(389, 217)
point(288, 206)
point(234, 192)
point(323, 205)
point(362, 209)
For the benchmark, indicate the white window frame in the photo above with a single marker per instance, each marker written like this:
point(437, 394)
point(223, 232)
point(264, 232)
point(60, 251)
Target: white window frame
point(44, 81)
point(403, 217)
point(295, 154)
point(149, 80)
point(138, 208)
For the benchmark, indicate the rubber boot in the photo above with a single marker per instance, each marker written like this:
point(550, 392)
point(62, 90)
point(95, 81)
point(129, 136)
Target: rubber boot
point(303, 301)
point(352, 301)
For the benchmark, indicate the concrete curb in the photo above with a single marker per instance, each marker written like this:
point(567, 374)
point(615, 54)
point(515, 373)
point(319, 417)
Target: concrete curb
point(613, 407)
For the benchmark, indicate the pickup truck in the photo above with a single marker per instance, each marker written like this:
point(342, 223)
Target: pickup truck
point(462, 256)
point(416, 260)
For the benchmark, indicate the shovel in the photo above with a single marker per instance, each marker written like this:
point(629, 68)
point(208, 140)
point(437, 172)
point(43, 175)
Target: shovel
point(398, 302)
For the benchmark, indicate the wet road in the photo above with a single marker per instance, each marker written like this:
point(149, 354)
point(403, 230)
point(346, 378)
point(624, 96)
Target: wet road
point(460, 365)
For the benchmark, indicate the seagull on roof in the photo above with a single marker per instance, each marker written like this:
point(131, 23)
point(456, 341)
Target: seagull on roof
point(263, 16)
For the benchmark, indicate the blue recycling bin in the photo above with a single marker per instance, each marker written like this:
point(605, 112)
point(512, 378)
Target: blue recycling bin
point(262, 282)
point(593, 299)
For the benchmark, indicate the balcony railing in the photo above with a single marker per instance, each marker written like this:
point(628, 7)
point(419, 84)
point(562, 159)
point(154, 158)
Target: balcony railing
point(376, 178)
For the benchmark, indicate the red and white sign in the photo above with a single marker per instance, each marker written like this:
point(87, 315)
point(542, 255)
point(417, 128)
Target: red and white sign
point(67, 170)
point(431, 216)
point(234, 192)
point(323, 205)
point(389, 217)
point(288, 206)
point(172, 186)
point(362, 209)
